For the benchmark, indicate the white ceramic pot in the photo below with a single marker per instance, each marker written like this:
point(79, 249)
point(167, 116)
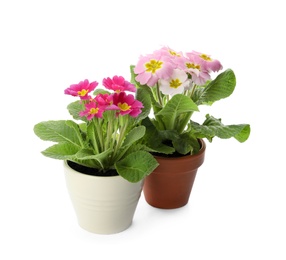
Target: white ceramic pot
point(103, 205)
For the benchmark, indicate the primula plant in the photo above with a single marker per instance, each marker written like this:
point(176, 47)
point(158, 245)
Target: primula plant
point(172, 86)
point(106, 138)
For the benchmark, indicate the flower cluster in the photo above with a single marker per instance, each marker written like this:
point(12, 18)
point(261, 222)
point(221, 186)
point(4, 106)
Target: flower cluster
point(175, 72)
point(119, 100)
point(173, 85)
point(106, 140)
point(118, 131)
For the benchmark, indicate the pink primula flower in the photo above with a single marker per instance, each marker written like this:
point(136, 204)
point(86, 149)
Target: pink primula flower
point(92, 110)
point(82, 89)
point(152, 67)
point(127, 104)
point(208, 63)
point(106, 101)
point(118, 84)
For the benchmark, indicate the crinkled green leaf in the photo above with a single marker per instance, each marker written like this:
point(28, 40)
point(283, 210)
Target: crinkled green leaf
point(221, 87)
point(143, 95)
point(154, 139)
point(98, 91)
point(134, 135)
point(213, 127)
point(61, 151)
point(88, 154)
point(135, 166)
point(133, 75)
point(74, 108)
point(58, 131)
point(179, 104)
point(186, 144)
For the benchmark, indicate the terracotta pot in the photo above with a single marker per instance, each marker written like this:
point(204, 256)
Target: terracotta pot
point(169, 185)
point(103, 205)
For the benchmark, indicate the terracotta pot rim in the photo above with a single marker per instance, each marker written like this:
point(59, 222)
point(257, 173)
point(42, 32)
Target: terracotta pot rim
point(185, 157)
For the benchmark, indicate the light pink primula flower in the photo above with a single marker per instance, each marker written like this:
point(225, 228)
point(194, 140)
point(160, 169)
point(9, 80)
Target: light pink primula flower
point(82, 89)
point(127, 104)
point(118, 84)
point(209, 63)
point(175, 84)
point(196, 67)
point(152, 67)
point(175, 57)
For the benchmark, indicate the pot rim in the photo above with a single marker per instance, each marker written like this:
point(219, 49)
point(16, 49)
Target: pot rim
point(181, 158)
point(85, 174)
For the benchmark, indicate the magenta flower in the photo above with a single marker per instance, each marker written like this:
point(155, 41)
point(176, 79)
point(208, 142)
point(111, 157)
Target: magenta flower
point(127, 104)
point(152, 67)
point(118, 84)
point(82, 89)
point(105, 101)
point(208, 63)
point(92, 110)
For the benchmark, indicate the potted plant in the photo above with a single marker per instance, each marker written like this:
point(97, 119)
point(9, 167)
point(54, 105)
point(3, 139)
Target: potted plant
point(104, 164)
point(172, 86)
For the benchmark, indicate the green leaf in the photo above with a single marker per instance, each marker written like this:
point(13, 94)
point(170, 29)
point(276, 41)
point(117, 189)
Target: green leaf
point(101, 158)
point(62, 151)
point(136, 166)
point(74, 108)
point(100, 91)
point(77, 130)
point(134, 135)
point(213, 127)
point(91, 133)
point(186, 144)
point(178, 104)
point(67, 151)
point(143, 95)
point(154, 139)
point(243, 135)
point(58, 131)
point(133, 75)
point(221, 87)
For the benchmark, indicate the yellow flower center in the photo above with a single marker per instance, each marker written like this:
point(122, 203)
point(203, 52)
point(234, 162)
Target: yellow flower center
point(175, 83)
point(82, 93)
point(173, 53)
point(93, 110)
point(193, 66)
point(205, 57)
point(123, 106)
point(153, 65)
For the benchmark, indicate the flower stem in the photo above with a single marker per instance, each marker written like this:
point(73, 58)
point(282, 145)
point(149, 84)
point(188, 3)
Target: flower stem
point(193, 90)
point(93, 136)
point(123, 124)
point(110, 130)
point(98, 135)
point(184, 122)
point(159, 95)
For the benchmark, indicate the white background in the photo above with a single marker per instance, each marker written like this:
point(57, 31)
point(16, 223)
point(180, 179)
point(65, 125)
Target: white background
point(237, 206)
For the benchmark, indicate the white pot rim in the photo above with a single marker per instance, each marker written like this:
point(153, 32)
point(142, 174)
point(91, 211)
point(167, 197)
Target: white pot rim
point(86, 174)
